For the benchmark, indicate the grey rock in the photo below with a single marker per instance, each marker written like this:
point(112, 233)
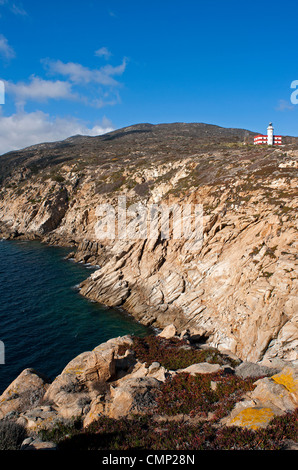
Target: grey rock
point(36, 444)
point(250, 369)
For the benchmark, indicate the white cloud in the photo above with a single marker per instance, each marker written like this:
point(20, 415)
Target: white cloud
point(39, 89)
point(6, 50)
point(15, 7)
point(284, 105)
point(24, 129)
point(18, 9)
point(103, 52)
point(111, 70)
point(79, 74)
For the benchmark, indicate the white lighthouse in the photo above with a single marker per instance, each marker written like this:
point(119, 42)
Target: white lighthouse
point(270, 134)
point(269, 139)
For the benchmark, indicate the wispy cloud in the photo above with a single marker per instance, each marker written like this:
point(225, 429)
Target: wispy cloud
point(80, 74)
point(284, 105)
point(15, 7)
point(92, 87)
point(112, 14)
point(103, 52)
point(18, 9)
point(6, 51)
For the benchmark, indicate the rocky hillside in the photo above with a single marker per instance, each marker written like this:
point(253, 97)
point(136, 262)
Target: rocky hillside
point(237, 289)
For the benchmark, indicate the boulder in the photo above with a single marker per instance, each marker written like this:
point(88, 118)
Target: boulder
point(80, 381)
point(100, 365)
point(27, 389)
point(84, 379)
point(97, 409)
point(68, 392)
point(168, 332)
point(272, 396)
point(250, 369)
point(201, 368)
point(135, 395)
point(39, 417)
point(36, 444)
point(249, 415)
point(157, 371)
point(281, 389)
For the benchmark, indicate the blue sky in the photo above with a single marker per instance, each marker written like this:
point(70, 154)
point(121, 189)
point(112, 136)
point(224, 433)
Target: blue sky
point(90, 66)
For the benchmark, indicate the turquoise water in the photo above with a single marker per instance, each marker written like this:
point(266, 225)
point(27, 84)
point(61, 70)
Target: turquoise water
point(44, 321)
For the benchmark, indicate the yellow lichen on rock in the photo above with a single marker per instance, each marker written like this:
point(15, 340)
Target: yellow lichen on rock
point(287, 379)
point(253, 418)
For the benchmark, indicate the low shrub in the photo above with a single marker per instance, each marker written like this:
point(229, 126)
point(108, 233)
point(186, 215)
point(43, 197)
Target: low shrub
point(194, 395)
point(175, 354)
point(11, 435)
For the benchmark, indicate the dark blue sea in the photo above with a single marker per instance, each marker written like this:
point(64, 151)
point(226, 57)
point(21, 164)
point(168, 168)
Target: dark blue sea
point(44, 321)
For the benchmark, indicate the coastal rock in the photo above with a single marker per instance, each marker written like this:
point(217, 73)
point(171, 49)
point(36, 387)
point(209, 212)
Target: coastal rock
point(40, 417)
point(96, 409)
point(72, 390)
point(67, 392)
point(134, 395)
point(84, 378)
point(249, 369)
point(168, 332)
point(36, 444)
point(110, 381)
point(249, 415)
point(50, 213)
point(100, 366)
point(201, 368)
point(26, 390)
point(281, 389)
point(272, 396)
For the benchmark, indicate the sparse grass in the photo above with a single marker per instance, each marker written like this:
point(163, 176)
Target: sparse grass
point(57, 178)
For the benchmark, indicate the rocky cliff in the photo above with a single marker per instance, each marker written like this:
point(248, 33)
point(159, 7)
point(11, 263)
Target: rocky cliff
point(236, 289)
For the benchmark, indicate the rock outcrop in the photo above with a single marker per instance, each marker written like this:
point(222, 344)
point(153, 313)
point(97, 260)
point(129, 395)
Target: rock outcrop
point(111, 381)
point(236, 286)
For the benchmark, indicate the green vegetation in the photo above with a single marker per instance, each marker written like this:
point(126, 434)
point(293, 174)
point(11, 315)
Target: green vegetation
point(57, 178)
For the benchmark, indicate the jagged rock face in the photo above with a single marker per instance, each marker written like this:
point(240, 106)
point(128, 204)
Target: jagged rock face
point(238, 287)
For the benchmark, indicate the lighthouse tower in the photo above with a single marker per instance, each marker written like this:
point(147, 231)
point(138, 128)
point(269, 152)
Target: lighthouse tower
point(269, 139)
point(270, 134)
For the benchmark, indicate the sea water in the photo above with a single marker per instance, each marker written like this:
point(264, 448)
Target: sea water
point(44, 321)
